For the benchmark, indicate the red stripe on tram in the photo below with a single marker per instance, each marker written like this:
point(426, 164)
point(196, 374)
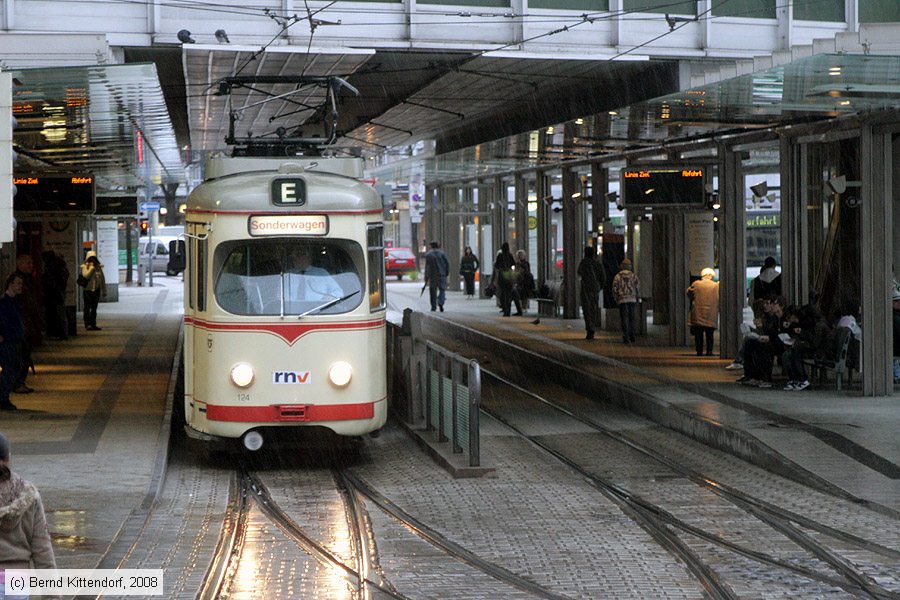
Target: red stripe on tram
point(290, 412)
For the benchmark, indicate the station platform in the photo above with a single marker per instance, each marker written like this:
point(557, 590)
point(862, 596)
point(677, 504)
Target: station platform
point(819, 435)
point(92, 433)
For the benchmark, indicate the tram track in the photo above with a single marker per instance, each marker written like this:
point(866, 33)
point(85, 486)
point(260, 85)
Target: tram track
point(657, 521)
point(364, 574)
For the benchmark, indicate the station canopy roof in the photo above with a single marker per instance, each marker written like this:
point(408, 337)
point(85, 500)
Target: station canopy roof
point(819, 87)
point(91, 120)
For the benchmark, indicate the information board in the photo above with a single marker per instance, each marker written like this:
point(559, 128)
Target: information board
point(658, 187)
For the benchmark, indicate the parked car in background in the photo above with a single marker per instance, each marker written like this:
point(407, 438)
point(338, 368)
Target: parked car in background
point(399, 262)
point(158, 252)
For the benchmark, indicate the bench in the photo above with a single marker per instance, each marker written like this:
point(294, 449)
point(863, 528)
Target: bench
point(548, 303)
point(834, 358)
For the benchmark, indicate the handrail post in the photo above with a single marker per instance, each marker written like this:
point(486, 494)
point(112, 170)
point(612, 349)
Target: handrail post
point(427, 368)
point(454, 378)
point(474, 404)
point(442, 435)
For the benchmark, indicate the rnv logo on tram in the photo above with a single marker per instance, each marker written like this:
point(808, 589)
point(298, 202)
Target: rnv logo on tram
point(290, 377)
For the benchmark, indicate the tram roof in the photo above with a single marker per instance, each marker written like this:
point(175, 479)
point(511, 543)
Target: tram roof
point(252, 192)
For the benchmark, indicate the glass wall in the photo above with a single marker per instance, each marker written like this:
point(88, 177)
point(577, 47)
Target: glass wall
point(688, 7)
point(819, 10)
point(879, 11)
point(752, 9)
point(497, 3)
point(570, 4)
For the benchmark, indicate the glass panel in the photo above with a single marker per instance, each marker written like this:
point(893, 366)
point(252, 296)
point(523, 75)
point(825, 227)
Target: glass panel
point(288, 277)
point(688, 7)
point(570, 4)
point(375, 249)
point(191, 270)
point(879, 11)
point(819, 10)
point(498, 3)
point(202, 252)
point(754, 9)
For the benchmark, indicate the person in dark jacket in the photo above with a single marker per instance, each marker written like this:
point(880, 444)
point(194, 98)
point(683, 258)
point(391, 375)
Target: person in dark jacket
point(24, 535)
point(592, 277)
point(524, 287)
point(504, 279)
point(468, 265)
point(92, 271)
point(768, 283)
point(437, 268)
point(760, 352)
point(12, 332)
point(895, 302)
point(30, 301)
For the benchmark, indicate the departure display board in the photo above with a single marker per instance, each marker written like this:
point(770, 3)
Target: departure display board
point(57, 194)
point(661, 187)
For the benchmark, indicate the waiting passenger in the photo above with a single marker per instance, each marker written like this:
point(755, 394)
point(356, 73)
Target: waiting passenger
point(504, 279)
point(760, 353)
point(468, 265)
point(12, 332)
point(768, 283)
point(807, 336)
point(32, 316)
point(704, 295)
point(24, 535)
point(94, 288)
point(626, 290)
point(524, 287)
point(748, 331)
point(437, 269)
point(895, 302)
point(590, 269)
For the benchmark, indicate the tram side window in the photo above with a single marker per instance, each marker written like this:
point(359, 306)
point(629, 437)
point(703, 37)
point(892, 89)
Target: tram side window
point(202, 249)
point(375, 250)
point(288, 277)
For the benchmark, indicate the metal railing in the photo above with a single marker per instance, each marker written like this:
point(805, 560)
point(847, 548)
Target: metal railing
point(452, 385)
point(427, 382)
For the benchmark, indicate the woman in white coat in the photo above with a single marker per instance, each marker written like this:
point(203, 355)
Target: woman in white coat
point(704, 295)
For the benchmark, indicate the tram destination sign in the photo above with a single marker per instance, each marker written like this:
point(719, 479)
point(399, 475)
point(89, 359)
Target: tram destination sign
point(261, 225)
point(662, 187)
point(56, 194)
point(289, 191)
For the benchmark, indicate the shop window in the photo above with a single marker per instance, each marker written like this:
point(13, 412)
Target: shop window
point(570, 4)
point(751, 9)
point(819, 10)
point(497, 3)
point(879, 11)
point(688, 7)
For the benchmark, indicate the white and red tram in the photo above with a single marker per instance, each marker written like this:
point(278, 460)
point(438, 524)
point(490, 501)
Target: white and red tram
point(284, 300)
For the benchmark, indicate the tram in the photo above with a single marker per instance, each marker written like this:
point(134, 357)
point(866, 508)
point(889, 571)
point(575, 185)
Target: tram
point(284, 306)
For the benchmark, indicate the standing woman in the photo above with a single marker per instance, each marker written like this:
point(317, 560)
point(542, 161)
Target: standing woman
point(94, 287)
point(468, 264)
point(704, 295)
point(24, 535)
point(12, 332)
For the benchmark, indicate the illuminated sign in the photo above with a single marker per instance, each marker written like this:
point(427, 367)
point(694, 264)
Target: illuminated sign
point(673, 186)
point(767, 219)
point(70, 194)
point(289, 191)
point(260, 225)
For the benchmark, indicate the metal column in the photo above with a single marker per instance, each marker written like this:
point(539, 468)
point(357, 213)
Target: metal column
point(573, 227)
point(542, 191)
point(794, 239)
point(679, 267)
point(732, 252)
point(521, 214)
point(599, 203)
point(876, 244)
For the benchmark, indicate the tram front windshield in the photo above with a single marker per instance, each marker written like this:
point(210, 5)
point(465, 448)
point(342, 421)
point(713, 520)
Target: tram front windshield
point(288, 276)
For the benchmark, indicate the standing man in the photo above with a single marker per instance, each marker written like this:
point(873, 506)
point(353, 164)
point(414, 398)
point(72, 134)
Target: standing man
point(12, 332)
point(30, 300)
point(437, 267)
point(505, 279)
point(626, 288)
point(592, 277)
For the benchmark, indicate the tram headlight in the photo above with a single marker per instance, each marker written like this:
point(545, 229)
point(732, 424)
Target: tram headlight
point(242, 375)
point(340, 373)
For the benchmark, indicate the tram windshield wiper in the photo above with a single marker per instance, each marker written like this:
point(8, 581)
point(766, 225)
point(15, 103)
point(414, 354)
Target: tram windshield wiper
point(328, 304)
